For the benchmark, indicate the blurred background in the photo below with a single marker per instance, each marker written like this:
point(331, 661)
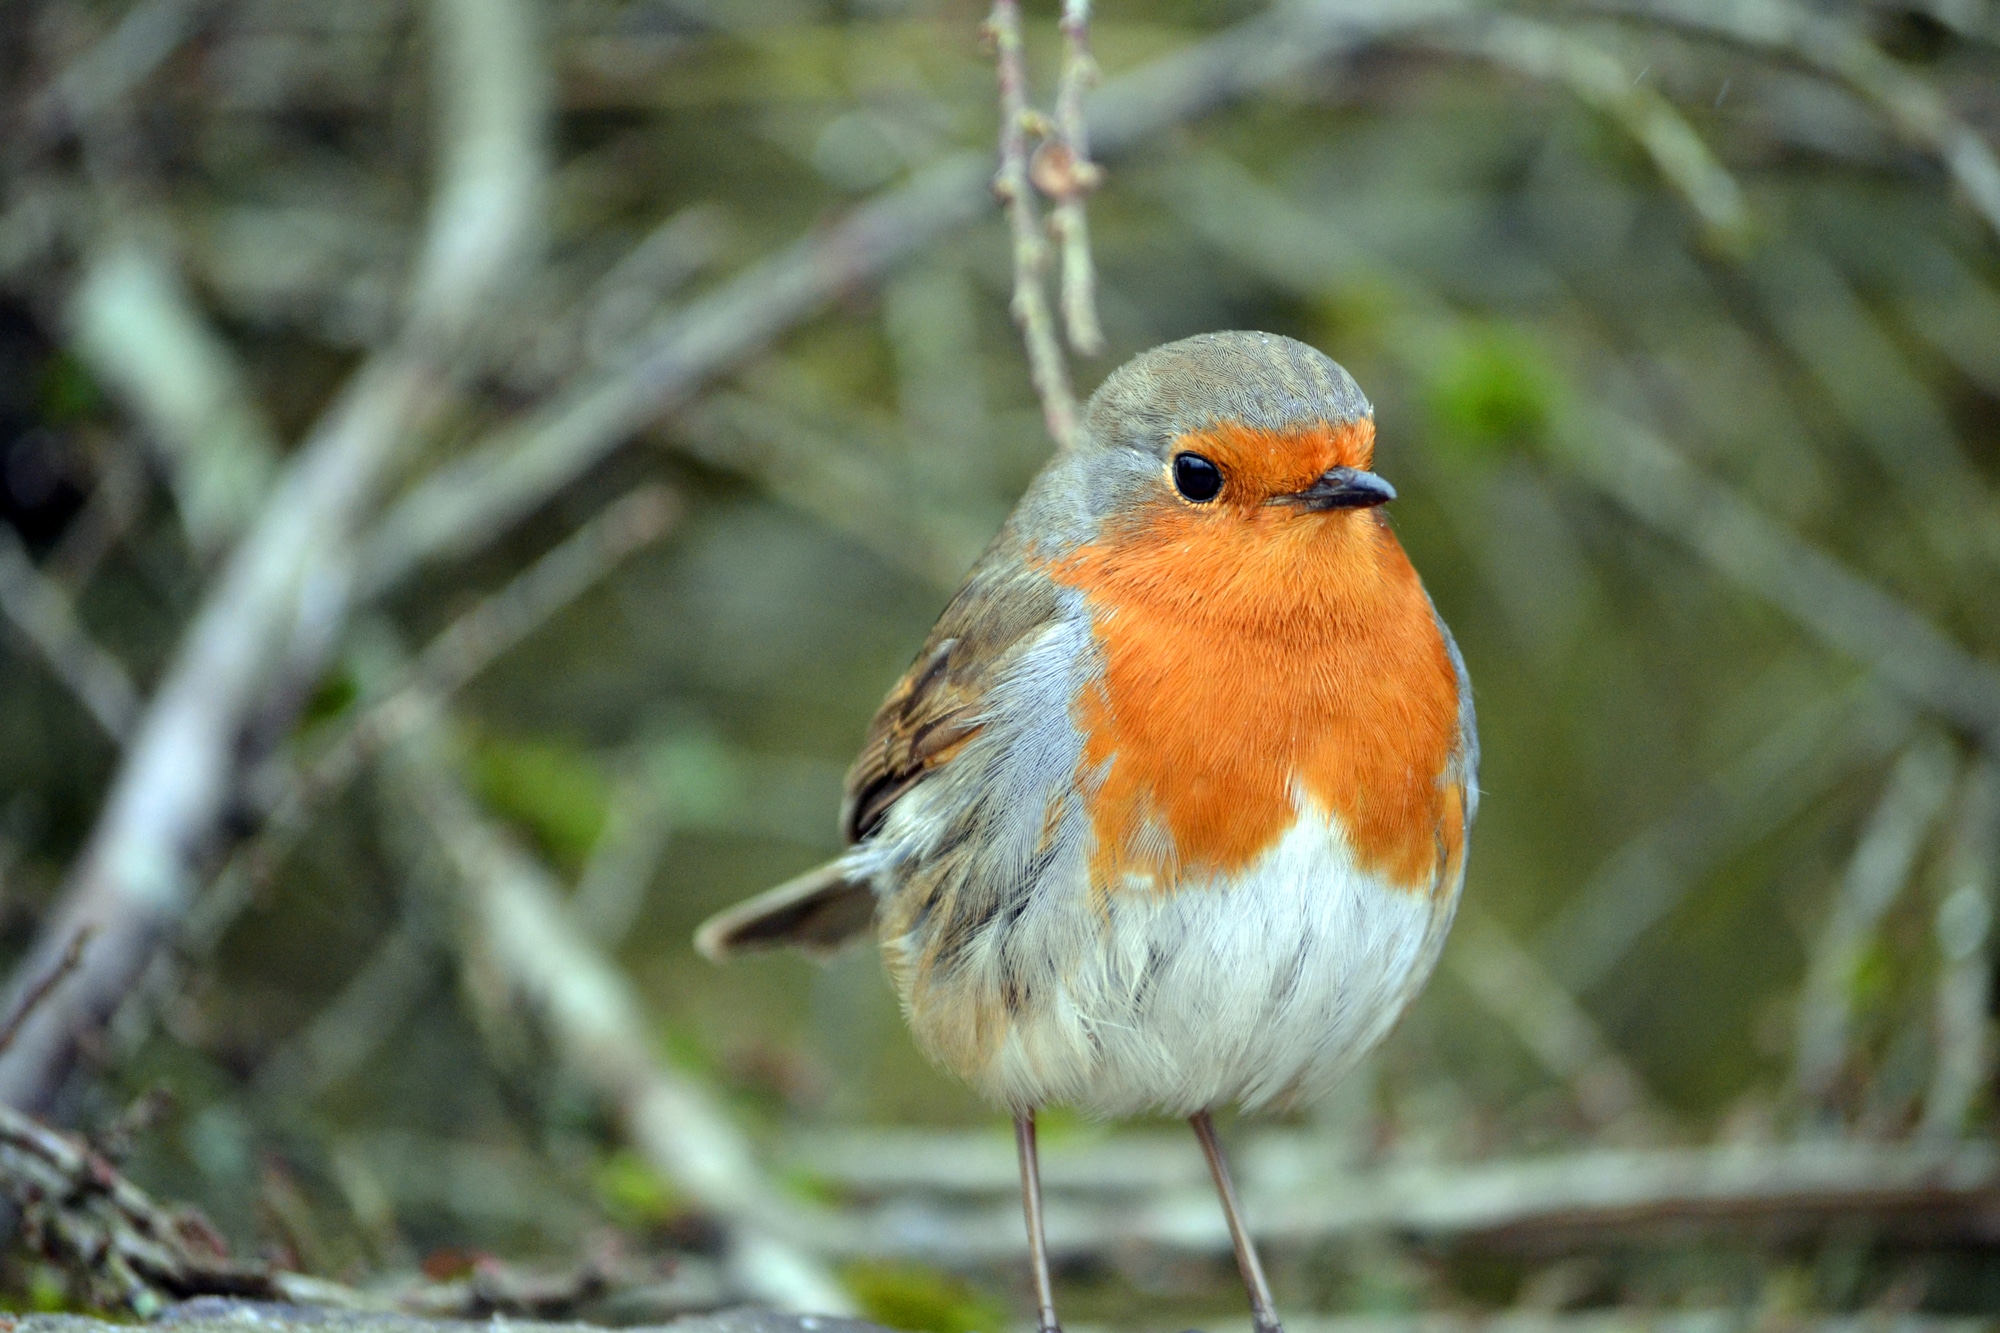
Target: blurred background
point(469, 469)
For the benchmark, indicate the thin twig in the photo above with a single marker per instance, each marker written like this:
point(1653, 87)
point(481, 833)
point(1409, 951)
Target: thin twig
point(1030, 306)
point(1549, 1022)
point(38, 992)
point(136, 325)
point(1883, 858)
point(1062, 169)
point(1962, 1014)
point(46, 618)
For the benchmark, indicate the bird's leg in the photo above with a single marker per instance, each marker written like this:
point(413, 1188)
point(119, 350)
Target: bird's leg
point(1263, 1314)
point(1031, 1204)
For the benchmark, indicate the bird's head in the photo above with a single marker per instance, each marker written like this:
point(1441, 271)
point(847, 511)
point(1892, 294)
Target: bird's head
point(1242, 458)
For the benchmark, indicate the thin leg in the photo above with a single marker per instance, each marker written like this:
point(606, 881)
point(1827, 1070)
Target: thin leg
point(1031, 1204)
point(1263, 1314)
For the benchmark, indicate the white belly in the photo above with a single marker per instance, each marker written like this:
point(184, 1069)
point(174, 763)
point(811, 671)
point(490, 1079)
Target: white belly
point(1264, 987)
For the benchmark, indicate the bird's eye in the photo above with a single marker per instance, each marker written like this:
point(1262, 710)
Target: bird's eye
point(1197, 478)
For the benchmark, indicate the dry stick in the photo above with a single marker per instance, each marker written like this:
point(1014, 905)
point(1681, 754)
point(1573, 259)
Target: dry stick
point(114, 505)
point(40, 990)
point(1030, 306)
point(1063, 171)
point(1887, 852)
point(1154, 1196)
point(1514, 987)
point(46, 618)
point(1651, 479)
point(289, 575)
point(462, 507)
point(1964, 931)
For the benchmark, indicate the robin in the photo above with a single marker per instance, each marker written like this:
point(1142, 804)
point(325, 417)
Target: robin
point(1171, 810)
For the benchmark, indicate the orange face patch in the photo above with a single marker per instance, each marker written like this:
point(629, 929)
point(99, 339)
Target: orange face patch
point(1259, 465)
point(1250, 647)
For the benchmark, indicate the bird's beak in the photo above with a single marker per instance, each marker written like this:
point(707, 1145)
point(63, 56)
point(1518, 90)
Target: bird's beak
point(1344, 488)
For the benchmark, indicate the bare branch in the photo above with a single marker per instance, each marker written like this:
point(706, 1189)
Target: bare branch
point(1063, 171)
point(136, 325)
point(280, 599)
point(44, 615)
point(1739, 541)
point(1769, 783)
point(1030, 306)
point(1145, 1193)
point(463, 649)
point(40, 990)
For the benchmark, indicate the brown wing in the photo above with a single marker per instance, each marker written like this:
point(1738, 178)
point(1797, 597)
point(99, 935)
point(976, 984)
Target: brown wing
point(935, 707)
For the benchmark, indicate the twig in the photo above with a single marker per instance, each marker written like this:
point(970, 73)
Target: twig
point(38, 992)
point(404, 967)
point(1549, 1022)
point(1909, 654)
point(115, 504)
point(1030, 306)
point(135, 324)
point(1883, 858)
point(611, 891)
point(106, 1234)
point(282, 596)
point(1963, 1029)
point(836, 481)
point(1062, 170)
point(108, 72)
point(46, 618)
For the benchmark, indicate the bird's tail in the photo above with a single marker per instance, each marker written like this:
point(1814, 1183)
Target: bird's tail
point(818, 912)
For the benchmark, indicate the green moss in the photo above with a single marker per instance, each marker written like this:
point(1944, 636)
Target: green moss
point(559, 794)
point(914, 1297)
point(1492, 393)
point(632, 1192)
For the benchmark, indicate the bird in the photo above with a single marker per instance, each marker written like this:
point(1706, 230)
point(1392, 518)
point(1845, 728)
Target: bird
point(1171, 811)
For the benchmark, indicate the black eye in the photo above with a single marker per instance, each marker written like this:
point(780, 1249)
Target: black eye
point(1196, 477)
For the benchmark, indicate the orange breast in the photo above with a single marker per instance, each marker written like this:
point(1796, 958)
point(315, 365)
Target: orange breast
point(1249, 649)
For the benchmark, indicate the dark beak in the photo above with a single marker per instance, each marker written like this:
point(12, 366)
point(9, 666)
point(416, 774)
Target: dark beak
point(1344, 488)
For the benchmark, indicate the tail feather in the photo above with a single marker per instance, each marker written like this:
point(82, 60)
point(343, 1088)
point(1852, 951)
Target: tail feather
point(818, 912)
